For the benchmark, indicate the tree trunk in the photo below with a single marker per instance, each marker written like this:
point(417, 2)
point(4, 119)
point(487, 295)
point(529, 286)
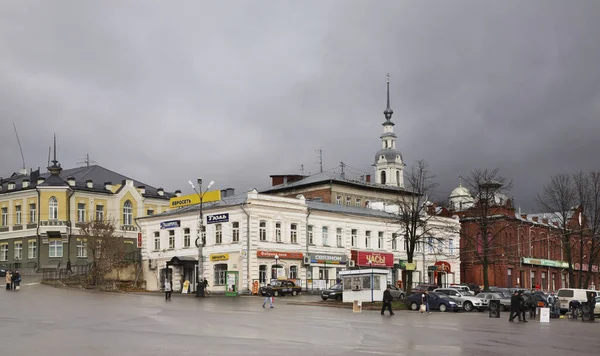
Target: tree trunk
point(570, 262)
point(409, 276)
point(486, 278)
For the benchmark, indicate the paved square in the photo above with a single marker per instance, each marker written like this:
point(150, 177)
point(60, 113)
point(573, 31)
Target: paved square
point(41, 320)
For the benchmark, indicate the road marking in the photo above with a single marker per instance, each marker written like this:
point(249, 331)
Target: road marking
point(378, 352)
point(29, 284)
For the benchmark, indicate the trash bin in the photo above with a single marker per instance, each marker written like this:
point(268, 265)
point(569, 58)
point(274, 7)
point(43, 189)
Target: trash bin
point(357, 306)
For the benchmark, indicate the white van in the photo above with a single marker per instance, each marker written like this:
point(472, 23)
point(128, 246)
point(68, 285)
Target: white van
point(566, 295)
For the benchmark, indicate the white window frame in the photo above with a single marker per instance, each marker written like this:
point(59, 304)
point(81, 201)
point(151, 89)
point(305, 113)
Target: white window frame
point(235, 231)
point(32, 249)
point(380, 242)
point(32, 213)
point(4, 252)
point(339, 237)
point(82, 249)
point(4, 221)
point(338, 200)
point(348, 201)
point(394, 241)
point(311, 234)
point(99, 212)
point(325, 235)
point(294, 233)
point(19, 215)
point(187, 239)
point(293, 272)
point(18, 250)
point(354, 237)
point(53, 208)
point(368, 239)
point(55, 249)
point(156, 241)
point(218, 234)
point(451, 246)
point(127, 213)
point(262, 230)
point(171, 239)
point(358, 203)
point(81, 212)
point(219, 274)
point(278, 232)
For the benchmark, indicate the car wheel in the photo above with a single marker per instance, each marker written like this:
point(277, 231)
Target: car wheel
point(324, 298)
point(443, 307)
point(414, 306)
point(294, 293)
point(468, 306)
point(503, 307)
point(276, 293)
point(402, 296)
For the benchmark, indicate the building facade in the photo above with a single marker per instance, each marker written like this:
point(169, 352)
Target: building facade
point(265, 237)
point(40, 213)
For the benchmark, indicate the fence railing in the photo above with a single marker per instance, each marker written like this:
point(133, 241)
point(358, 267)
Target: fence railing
point(63, 273)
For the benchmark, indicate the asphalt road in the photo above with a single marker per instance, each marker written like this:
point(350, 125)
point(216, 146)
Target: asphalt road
point(43, 320)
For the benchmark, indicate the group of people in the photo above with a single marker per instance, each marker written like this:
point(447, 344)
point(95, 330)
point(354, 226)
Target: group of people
point(518, 306)
point(13, 280)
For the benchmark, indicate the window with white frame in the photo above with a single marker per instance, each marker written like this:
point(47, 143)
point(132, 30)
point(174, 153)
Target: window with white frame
point(368, 239)
point(99, 212)
point(156, 240)
point(127, 213)
point(18, 251)
point(262, 273)
point(4, 252)
point(310, 233)
point(430, 244)
point(149, 212)
point(339, 237)
point(220, 271)
point(186, 237)
point(171, 239)
point(278, 232)
point(294, 233)
point(338, 200)
point(82, 249)
point(218, 233)
point(32, 213)
point(235, 231)
point(32, 249)
point(262, 230)
point(80, 212)
point(18, 214)
point(4, 217)
point(354, 238)
point(325, 236)
point(348, 201)
point(53, 209)
point(358, 202)
point(394, 241)
point(55, 249)
point(451, 246)
point(440, 246)
point(293, 272)
point(380, 240)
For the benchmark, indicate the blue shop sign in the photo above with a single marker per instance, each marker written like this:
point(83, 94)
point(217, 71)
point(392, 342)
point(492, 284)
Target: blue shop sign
point(170, 224)
point(217, 218)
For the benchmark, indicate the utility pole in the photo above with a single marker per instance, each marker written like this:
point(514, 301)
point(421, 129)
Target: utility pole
point(342, 164)
point(86, 160)
point(320, 152)
point(302, 169)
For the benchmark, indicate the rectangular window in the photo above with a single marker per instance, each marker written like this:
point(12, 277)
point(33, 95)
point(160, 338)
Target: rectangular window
point(4, 217)
point(220, 270)
point(348, 201)
point(358, 203)
point(171, 239)
point(99, 212)
point(218, 233)
point(262, 231)
point(186, 237)
point(293, 272)
point(4, 252)
point(338, 237)
point(278, 232)
point(18, 212)
point(311, 240)
point(354, 238)
point(18, 250)
point(150, 212)
point(451, 248)
point(430, 244)
point(440, 246)
point(82, 249)
point(32, 214)
point(262, 273)
point(156, 241)
point(80, 212)
point(338, 200)
point(380, 240)
point(294, 233)
point(55, 249)
point(368, 239)
point(32, 249)
point(235, 232)
point(325, 236)
point(394, 241)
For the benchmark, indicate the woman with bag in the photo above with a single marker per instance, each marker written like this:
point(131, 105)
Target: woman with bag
point(8, 280)
point(425, 303)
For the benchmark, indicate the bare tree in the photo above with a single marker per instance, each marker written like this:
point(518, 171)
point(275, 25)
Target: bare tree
point(488, 187)
point(587, 186)
point(559, 198)
point(107, 248)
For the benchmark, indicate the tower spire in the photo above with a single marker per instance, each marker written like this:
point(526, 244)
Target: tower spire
point(388, 110)
point(55, 168)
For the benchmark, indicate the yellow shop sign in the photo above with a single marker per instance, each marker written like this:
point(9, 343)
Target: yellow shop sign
point(192, 199)
point(219, 257)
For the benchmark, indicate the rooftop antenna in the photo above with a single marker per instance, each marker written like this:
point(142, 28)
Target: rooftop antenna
point(86, 160)
point(342, 164)
point(302, 169)
point(49, 150)
point(20, 149)
point(320, 152)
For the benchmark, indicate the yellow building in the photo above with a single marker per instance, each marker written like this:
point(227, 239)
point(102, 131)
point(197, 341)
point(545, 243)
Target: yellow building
point(40, 213)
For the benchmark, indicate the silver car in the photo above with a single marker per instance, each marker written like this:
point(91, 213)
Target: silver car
point(396, 292)
point(504, 300)
point(468, 302)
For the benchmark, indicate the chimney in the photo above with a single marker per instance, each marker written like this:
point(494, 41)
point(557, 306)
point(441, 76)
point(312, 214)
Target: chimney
point(142, 189)
point(128, 182)
point(545, 221)
point(160, 192)
point(89, 183)
point(25, 183)
point(368, 178)
point(71, 181)
point(178, 193)
point(535, 219)
point(23, 171)
point(524, 216)
point(40, 180)
point(108, 186)
point(11, 185)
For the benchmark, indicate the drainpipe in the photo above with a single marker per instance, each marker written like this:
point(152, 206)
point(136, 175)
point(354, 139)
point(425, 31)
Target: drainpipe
point(37, 231)
point(139, 253)
point(69, 227)
point(248, 281)
point(308, 212)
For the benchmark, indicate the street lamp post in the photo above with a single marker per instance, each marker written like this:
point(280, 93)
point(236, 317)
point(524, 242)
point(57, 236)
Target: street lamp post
point(201, 236)
point(370, 263)
point(276, 266)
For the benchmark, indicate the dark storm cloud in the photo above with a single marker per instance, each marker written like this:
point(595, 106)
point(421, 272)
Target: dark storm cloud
point(236, 91)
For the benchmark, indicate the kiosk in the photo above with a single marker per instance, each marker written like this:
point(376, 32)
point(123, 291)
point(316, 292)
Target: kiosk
point(364, 285)
point(231, 283)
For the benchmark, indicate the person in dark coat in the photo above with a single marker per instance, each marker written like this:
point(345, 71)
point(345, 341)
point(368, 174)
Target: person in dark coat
point(522, 305)
point(387, 301)
point(268, 296)
point(514, 306)
point(591, 302)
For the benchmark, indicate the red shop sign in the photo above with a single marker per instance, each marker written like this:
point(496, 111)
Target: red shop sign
point(139, 240)
point(373, 259)
point(281, 255)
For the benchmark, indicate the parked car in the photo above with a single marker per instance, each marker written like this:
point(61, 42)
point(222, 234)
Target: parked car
point(397, 293)
point(439, 302)
point(469, 303)
point(504, 299)
point(473, 287)
point(281, 288)
point(2, 273)
point(335, 292)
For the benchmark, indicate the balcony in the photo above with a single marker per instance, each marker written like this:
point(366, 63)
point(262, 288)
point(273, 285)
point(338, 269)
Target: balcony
point(128, 228)
point(17, 227)
point(31, 226)
point(53, 223)
point(3, 228)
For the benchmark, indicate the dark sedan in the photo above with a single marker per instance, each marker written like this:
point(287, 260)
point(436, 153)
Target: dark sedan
point(436, 302)
point(281, 288)
point(335, 292)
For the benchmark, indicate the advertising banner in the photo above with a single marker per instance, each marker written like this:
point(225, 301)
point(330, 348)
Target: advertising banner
point(192, 199)
point(373, 259)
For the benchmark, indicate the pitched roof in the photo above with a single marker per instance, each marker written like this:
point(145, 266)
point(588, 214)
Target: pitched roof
point(224, 202)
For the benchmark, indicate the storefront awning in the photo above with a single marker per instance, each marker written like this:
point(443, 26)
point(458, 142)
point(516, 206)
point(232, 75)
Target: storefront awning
point(182, 261)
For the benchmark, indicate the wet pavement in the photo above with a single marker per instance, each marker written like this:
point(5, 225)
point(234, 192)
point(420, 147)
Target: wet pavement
point(44, 320)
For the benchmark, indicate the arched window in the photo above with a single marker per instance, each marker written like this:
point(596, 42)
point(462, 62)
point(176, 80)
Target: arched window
point(127, 213)
point(382, 177)
point(53, 212)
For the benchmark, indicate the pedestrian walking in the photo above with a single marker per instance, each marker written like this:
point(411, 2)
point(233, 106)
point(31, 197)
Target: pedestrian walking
point(425, 302)
point(69, 268)
point(8, 279)
point(205, 283)
point(268, 296)
point(16, 280)
point(591, 302)
point(514, 306)
point(168, 289)
point(387, 301)
point(522, 305)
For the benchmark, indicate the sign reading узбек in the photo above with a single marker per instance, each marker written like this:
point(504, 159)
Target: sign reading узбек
point(170, 224)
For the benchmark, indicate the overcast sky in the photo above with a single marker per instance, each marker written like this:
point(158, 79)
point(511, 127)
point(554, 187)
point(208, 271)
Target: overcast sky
point(233, 91)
